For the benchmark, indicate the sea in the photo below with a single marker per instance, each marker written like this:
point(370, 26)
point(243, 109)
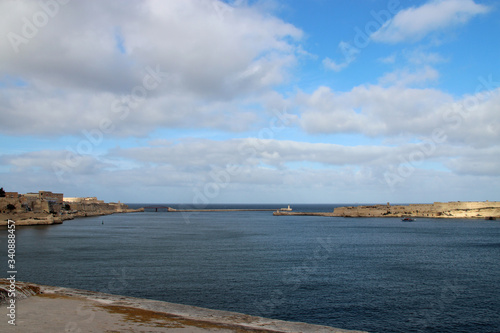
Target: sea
point(371, 274)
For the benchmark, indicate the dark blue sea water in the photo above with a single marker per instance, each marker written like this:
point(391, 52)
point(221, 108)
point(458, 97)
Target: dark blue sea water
point(373, 274)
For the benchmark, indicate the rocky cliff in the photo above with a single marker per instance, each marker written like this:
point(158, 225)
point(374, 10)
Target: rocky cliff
point(468, 209)
point(47, 213)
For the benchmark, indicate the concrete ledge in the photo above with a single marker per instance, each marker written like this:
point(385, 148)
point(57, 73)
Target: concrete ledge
point(72, 310)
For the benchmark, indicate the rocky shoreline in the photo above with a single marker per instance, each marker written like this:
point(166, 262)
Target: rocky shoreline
point(30, 218)
point(486, 210)
point(46, 207)
point(489, 210)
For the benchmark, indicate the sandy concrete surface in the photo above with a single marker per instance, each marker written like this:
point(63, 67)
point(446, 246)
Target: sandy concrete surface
point(57, 309)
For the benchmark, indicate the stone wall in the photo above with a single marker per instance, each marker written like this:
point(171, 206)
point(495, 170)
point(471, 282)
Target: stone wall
point(442, 206)
point(11, 195)
point(49, 196)
point(95, 207)
point(33, 209)
point(4, 202)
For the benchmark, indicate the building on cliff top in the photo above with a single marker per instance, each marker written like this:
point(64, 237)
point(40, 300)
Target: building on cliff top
point(49, 196)
point(83, 200)
point(12, 195)
point(46, 196)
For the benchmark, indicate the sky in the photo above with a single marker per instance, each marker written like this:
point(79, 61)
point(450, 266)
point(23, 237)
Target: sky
point(270, 101)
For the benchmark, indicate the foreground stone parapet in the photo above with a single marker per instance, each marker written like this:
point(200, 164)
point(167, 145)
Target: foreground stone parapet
point(56, 309)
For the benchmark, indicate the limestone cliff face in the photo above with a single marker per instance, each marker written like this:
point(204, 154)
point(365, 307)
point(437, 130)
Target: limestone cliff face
point(45, 212)
point(5, 202)
point(97, 208)
point(470, 209)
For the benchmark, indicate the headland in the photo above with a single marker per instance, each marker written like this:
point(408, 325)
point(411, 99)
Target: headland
point(489, 210)
point(46, 207)
point(456, 209)
point(40, 308)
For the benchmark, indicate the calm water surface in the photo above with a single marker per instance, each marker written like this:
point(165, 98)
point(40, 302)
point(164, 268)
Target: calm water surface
point(377, 274)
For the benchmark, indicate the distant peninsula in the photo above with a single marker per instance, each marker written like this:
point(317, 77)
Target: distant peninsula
point(489, 210)
point(457, 209)
point(46, 207)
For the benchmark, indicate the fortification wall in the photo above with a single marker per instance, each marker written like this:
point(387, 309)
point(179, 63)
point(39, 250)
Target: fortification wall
point(92, 207)
point(443, 206)
point(438, 209)
point(4, 202)
point(30, 211)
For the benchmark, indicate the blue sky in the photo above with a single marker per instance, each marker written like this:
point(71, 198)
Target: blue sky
point(204, 101)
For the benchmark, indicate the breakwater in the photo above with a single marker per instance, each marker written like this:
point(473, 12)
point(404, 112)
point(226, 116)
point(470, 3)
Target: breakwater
point(285, 213)
point(175, 210)
point(458, 209)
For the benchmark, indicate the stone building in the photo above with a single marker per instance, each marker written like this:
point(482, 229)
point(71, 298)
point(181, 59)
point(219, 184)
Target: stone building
point(86, 200)
point(43, 201)
point(49, 196)
point(11, 195)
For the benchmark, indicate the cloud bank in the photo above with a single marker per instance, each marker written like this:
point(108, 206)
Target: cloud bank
point(93, 58)
point(413, 24)
point(201, 100)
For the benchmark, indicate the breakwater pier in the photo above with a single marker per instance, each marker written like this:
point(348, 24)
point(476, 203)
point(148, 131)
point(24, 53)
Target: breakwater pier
point(286, 213)
point(182, 210)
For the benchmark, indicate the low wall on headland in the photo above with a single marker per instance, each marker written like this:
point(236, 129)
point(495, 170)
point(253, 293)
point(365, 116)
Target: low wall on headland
point(458, 209)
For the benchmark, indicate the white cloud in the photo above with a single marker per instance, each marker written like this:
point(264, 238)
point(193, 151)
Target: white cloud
point(389, 59)
point(377, 111)
point(371, 110)
point(477, 162)
point(349, 53)
point(203, 155)
point(334, 66)
point(90, 54)
point(415, 23)
point(237, 170)
point(404, 77)
point(51, 162)
point(220, 68)
point(420, 57)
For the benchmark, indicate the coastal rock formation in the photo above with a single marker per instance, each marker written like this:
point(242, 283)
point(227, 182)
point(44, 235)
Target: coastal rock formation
point(42, 208)
point(19, 289)
point(458, 209)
